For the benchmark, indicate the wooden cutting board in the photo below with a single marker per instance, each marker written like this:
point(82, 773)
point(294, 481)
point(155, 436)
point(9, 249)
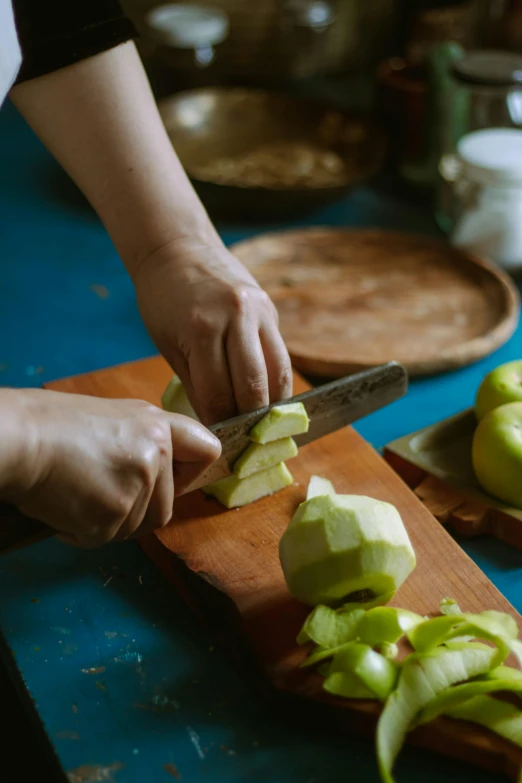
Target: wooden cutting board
point(235, 554)
point(351, 299)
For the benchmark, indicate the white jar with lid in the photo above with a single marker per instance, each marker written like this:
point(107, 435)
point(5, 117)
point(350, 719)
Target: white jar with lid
point(487, 184)
point(187, 40)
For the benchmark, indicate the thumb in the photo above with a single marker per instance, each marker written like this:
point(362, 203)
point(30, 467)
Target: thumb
point(194, 449)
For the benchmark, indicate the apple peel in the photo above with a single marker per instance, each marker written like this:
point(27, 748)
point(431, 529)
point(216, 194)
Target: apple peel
point(501, 717)
point(329, 628)
point(356, 669)
point(423, 676)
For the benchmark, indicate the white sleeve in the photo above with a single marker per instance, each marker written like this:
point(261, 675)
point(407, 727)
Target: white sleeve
point(10, 54)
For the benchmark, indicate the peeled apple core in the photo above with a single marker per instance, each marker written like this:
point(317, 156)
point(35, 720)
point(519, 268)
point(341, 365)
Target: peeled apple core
point(342, 548)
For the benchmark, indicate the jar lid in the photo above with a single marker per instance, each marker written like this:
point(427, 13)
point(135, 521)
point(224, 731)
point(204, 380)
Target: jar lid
point(489, 67)
point(492, 156)
point(316, 14)
point(187, 26)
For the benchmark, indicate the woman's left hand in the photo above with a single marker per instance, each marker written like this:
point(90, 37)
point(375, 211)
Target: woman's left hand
point(216, 327)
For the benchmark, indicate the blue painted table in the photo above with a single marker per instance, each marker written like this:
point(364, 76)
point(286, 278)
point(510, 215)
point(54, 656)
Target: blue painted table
point(126, 685)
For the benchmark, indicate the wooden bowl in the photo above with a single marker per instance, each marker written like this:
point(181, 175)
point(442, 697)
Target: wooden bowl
point(208, 126)
point(350, 299)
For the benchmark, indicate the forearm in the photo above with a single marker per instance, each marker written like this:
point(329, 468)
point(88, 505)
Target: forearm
point(99, 119)
point(17, 444)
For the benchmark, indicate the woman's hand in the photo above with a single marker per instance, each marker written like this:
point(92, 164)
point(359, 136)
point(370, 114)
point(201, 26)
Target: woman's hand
point(99, 470)
point(216, 327)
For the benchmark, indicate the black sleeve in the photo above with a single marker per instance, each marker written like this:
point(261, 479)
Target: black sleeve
point(57, 33)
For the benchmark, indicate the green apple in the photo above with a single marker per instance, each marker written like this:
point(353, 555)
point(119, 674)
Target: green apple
point(497, 453)
point(340, 548)
point(500, 386)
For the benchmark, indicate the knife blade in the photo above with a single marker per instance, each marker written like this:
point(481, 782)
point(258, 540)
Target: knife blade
point(330, 407)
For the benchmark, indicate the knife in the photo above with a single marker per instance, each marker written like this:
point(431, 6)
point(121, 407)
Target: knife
point(329, 407)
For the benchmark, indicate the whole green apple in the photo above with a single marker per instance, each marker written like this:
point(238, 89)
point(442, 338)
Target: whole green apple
point(497, 453)
point(500, 386)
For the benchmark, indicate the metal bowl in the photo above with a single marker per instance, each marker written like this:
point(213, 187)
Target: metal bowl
point(213, 129)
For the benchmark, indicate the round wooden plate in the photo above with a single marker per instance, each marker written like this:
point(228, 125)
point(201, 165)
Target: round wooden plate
point(350, 299)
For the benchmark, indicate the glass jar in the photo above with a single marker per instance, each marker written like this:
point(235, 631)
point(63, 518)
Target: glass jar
point(487, 194)
point(187, 41)
point(305, 39)
point(483, 92)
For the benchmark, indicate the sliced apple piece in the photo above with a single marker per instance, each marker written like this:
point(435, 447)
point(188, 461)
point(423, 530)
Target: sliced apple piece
point(318, 486)
point(259, 456)
point(282, 421)
point(234, 492)
point(344, 548)
point(174, 399)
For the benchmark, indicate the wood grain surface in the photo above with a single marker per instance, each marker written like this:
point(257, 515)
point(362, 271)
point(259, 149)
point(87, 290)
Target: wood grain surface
point(236, 555)
point(351, 299)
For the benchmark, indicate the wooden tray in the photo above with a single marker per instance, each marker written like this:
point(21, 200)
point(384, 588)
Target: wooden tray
point(353, 299)
point(236, 554)
point(436, 464)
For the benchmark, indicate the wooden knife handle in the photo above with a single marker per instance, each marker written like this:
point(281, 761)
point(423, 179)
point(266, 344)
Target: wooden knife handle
point(17, 530)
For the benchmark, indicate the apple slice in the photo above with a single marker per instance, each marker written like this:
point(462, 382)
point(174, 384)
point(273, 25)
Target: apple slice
point(234, 492)
point(344, 548)
point(282, 421)
point(174, 399)
point(259, 456)
point(422, 678)
point(318, 486)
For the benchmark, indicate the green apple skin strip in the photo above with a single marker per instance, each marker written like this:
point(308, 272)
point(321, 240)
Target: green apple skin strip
point(328, 628)
point(258, 457)
point(497, 627)
point(370, 669)
point(459, 694)
point(449, 606)
point(501, 717)
point(386, 625)
point(283, 421)
point(423, 677)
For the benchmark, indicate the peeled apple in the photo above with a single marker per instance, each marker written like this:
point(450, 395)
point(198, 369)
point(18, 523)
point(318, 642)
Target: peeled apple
point(342, 548)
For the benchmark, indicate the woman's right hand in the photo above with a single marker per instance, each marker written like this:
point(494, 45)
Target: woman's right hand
point(99, 470)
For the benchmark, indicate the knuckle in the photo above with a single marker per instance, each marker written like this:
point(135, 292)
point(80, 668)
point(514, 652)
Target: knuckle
point(255, 386)
point(221, 404)
point(244, 298)
point(285, 378)
point(201, 323)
